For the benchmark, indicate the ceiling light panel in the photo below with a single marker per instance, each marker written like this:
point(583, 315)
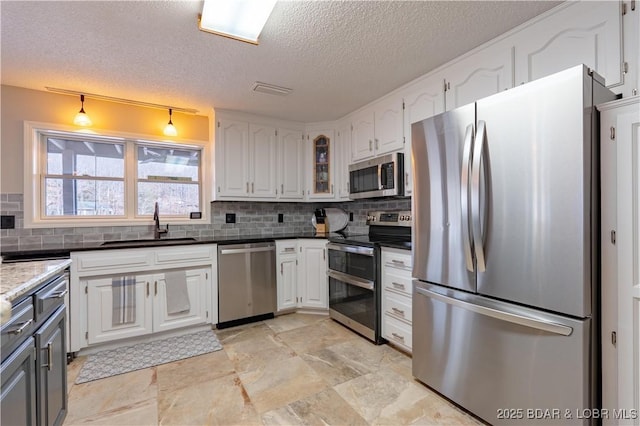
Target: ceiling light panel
point(239, 19)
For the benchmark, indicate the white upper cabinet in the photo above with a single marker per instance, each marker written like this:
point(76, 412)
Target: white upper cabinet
point(585, 32)
point(343, 161)
point(423, 99)
point(321, 149)
point(290, 174)
point(232, 154)
point(258, 158)
point(388, 126)
point(263, 164)
point(482, 74)
point(362, 136)
point(377, 130)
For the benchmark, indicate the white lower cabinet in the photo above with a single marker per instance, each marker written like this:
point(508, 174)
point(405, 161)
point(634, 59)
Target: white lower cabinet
point(302, 274)
point(313, 284)
point(148, 309)
point(150, 294)
point(396, 297)
point(287, 278)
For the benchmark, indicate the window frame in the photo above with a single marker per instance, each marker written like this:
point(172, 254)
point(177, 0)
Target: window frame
point(35, 173)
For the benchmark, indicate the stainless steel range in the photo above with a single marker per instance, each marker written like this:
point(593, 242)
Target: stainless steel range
point(354, 271)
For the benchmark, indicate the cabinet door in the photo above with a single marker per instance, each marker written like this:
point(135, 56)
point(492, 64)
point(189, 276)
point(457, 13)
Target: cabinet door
point(18, 390)
point(321, 148)
point(584, 32)
point(342, 165)
point(388, 135)
point(423, 100)
point(51, 374)
point(118, 311)
point(628, 126)
point(290, 168)
point(480, 75)
point(232, 158)
point(179, 298)
point(263, 165)
point(313, 282)
point(362, 136)
point(286, 281)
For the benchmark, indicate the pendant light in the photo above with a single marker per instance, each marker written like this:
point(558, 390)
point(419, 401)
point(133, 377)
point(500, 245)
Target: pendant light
point(170, 129)
point(82, 119)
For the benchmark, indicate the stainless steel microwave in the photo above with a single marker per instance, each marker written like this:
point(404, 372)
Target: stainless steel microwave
point(379, 177)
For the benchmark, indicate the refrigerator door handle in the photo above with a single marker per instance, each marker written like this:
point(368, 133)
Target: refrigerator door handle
point(481, 137)
point(524, 320)
point(464, 196)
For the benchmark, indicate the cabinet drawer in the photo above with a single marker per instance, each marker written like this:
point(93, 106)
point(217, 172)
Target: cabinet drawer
point(398, 332)
point(397, 281)
point(397, 258)
point(19, 326)
point(50, 297)
point(189, 254)
point(287, 247)
point(397, 305)
point(109, 259)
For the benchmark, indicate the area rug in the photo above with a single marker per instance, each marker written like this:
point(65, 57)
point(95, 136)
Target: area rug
point(143, 355)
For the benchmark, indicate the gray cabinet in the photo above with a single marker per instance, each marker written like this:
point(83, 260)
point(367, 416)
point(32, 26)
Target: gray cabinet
point(34, 358)
point(51, 373)
point(19, 386)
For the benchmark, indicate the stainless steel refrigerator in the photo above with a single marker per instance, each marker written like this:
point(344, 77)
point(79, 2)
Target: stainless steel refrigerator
point(506, 280)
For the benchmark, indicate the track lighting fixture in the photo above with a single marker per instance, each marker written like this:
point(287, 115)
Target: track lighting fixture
point(81, 118)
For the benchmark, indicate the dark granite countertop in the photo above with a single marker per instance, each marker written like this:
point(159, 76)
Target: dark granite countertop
point(59, 252)
point(404, 245)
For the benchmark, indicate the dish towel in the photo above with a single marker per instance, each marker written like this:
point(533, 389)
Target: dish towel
point(124, 300)
point(177, 292)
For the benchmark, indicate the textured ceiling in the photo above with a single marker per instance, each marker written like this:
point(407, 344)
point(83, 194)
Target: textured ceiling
point(335, 55)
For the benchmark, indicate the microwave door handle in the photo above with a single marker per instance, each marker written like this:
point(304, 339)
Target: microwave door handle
point(464, 196)
point(380, 187)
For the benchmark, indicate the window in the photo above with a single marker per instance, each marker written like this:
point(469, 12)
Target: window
point(80, 179)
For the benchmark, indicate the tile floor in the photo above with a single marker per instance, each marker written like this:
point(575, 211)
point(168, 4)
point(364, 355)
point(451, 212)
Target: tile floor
point(295, 369)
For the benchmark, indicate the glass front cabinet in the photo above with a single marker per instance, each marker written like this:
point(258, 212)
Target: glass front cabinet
point(322, 156)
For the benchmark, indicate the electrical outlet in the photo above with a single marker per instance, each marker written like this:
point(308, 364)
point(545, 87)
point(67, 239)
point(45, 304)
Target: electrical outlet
point(230, 218)
point(7, 222)
point(280, 218)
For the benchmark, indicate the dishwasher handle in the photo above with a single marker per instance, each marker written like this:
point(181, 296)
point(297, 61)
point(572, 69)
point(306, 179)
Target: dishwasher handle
point(247, 250)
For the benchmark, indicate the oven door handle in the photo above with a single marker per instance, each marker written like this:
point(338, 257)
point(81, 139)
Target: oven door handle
point(350, 279)
point(366, 251)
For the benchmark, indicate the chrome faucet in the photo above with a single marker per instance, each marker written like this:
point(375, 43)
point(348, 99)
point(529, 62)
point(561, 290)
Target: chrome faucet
point(157, 232)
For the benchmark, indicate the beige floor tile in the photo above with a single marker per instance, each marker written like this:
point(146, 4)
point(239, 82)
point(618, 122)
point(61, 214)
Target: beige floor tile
point(323, 408)
point(281, 383)
point(290, 322)
point(73, 369)
point(317, 336)
point(197, 369)
point(140, 414)
point(385, 397)
point(222, 401)
point(99, 396)
point(242, 333)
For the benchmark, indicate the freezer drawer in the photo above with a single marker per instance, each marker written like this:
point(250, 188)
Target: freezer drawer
point(491, 356)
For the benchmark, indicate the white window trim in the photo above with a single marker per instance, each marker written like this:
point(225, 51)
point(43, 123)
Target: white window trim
point(33, 157)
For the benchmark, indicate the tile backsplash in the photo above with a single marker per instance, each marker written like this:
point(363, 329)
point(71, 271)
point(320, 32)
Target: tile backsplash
point(252, 218)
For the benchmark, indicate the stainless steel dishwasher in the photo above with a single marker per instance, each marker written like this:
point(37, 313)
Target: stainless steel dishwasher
point(246, 282)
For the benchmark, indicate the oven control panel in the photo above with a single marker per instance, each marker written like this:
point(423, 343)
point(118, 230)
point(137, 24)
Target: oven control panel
point(398, 218)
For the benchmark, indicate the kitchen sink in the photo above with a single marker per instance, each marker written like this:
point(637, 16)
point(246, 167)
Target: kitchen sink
point(147, 242)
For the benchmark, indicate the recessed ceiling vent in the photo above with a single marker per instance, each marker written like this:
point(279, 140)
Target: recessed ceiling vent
point(271, 89)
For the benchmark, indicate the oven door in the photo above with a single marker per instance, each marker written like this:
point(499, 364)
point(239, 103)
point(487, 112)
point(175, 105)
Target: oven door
point(352, 302)
point(352, 288)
